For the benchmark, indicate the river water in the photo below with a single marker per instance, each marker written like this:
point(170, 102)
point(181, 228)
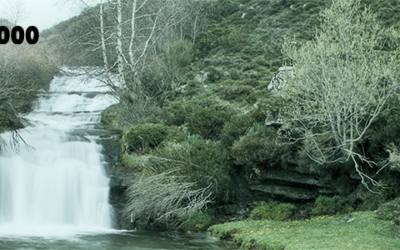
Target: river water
point(54, 189)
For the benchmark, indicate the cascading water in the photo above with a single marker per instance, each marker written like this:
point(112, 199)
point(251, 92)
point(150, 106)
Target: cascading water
point(56, 184)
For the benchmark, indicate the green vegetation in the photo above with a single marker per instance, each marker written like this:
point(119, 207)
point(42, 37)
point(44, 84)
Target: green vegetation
point(344, 75)
point(200, 221)
point(143, 136)
point(24, 71)
point(202, 106)
point(390, 211)
point(331, 205)
point(272, 211)
point(196, 116)
point(353, 231)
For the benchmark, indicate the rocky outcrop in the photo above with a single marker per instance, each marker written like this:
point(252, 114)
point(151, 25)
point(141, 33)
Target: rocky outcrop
point(279, 80)
point(282, 184)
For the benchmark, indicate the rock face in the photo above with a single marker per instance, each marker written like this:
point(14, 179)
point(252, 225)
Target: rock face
point(119, 180)
point(119, 183)
point(279, 80)
point(282, 184)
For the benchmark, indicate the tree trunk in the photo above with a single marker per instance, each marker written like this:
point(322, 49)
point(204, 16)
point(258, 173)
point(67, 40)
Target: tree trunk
point(103, 40)
point(120, 52)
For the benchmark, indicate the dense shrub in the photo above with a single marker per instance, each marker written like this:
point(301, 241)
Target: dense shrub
point(235, 128)
point(202, 116)
point(272, 211)
point(258, 146)
point(325, 205)
point(164, 200)
point(179, 54)
point(200, 221)
point(390, 211)
point(197, 160)
point(238, 92)
point(145, 135)
point(214, 74)
point(208, 121)
point(24, 71)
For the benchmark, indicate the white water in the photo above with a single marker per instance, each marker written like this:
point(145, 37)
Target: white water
point(57, 184)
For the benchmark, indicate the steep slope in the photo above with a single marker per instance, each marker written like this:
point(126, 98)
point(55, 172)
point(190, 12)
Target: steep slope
point(219, 107)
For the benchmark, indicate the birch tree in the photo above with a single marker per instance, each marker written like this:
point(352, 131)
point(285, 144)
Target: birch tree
point(341, 83)
point(102, 37)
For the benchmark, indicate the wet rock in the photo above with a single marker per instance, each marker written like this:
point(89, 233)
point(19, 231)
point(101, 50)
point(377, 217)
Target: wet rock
point(285, 192)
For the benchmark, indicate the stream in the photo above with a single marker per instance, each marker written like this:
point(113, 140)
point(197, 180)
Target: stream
point(54, 189)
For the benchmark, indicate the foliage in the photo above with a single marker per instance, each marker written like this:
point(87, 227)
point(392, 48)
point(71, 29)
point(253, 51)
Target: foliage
point(164, 199)
point(208, 121)
point(179, 54)
point(357, 231)
point(258, 145)
point(24, 71)
point(341, 83)
point(210, 89)
point(325, 205)
point(202, 117)
point(272, 211)
point(147, 135)
point(235, 128)
point(200, 221)
point(390, 211)
point(200, 161)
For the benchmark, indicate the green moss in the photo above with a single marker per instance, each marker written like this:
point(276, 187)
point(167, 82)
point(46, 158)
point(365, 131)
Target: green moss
point(357, 231)
point(272, 211)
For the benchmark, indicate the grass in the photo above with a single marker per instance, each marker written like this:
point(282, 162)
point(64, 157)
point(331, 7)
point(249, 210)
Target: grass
point(360, 230)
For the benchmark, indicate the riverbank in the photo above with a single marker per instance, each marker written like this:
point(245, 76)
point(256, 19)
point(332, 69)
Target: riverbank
point(361, 230)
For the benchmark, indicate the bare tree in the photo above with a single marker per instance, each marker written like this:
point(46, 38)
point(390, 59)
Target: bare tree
point(340, 84)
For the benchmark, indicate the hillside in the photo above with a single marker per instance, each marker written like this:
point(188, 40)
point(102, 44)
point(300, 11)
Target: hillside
point(204, 112)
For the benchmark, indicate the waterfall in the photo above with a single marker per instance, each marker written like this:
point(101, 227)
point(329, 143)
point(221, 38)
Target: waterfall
point(56, 181)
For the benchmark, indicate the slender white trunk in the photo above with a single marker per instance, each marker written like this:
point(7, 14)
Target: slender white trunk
point(120, 52)
point(133, 33)
point(103, 40)
point(195, 29)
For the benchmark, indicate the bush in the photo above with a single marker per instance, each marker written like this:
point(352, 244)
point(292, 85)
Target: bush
point(142, 136)
point(208, 121)
point(180, 54)
point(238, 92)
point(272, 211)
point(325, 205)
point(200, 161)
point(257, 146)
point(390, 211)
point(236, 127)
point(176, 112)
point(214, 74)
point(164, 200)
point(200, 221)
